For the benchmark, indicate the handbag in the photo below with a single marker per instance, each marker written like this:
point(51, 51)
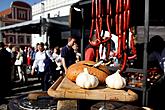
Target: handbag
point(18, 62)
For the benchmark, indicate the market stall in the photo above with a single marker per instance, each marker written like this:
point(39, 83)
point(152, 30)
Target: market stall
point(117, 18)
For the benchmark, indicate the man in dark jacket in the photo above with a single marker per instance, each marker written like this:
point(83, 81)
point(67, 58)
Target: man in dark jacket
point(5, 68)
point(67, 54)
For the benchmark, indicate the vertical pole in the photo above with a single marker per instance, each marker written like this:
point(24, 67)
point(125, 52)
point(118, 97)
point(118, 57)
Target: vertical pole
point(146, 39)
point(82, 35)
point(42, 22)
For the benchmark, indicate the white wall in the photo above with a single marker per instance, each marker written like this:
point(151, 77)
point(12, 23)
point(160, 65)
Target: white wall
point(54, 8)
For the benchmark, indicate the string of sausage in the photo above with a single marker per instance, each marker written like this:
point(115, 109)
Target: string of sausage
point(122, 26)
point(122, 19)
point(97, 26)
point(109, 24)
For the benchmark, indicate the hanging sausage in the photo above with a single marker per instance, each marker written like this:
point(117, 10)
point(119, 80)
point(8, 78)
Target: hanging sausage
point(123, 29)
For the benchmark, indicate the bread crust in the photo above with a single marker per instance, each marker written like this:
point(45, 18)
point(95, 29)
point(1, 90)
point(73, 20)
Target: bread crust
point(101, 72)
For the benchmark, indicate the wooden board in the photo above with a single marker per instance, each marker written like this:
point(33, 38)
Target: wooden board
point(69, 90)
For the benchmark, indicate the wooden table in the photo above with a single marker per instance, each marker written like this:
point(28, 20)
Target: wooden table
point(63, 88)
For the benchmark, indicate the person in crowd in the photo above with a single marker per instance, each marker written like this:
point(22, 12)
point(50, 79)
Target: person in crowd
point(90, 51)
point(57, 57)
point(24, 53)
point(76, 50)
point(33, 53)
point(28, 65)
point(42, 62)
point(28, 56)
point(9, 48)
point(13, 73)
point(19, 64)
point(156, 59)
point(48, 50)
point(108, 49)
point(57, 62)
point(26, 61)
point(68, 55)
point(5, 68)
point(156, 52)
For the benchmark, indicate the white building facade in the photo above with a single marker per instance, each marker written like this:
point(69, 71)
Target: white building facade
point(49, 9)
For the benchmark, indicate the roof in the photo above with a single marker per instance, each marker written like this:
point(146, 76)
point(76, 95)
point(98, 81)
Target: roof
point(5, 12)
point(34, 26)
point(156, 18)
point(20, 4)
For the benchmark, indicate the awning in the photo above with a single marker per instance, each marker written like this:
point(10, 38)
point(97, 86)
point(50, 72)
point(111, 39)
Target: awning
point(34, 26)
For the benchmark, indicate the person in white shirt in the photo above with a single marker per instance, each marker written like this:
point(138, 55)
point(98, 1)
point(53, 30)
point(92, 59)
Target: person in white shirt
point(42, 63)
point(9, 47)
point(103, 49)
point(57, 57)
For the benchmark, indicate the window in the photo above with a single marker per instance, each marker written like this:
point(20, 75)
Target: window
point(28, 39)
point(20, 39)
point(11, 39)
point(21, 14)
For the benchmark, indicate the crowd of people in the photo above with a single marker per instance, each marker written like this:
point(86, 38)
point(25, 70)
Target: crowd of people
point(40, 61)
point(47, 64)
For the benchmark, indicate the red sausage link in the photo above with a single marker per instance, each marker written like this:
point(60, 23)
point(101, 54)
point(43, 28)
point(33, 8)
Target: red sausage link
point(117, 24)
point(124, 40)
point(128, 5)
point(120, 24)
point(125, 21)
point(124, 63)
point(119, 47)
point(128, 18)
point(120, 5)
point(117, 6)
point(91, 30)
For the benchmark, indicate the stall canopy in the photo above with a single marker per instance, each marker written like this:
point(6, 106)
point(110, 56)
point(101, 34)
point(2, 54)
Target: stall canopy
point(34, 26)
point(157, 18)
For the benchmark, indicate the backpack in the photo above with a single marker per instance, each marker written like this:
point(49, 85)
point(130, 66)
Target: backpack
point(48, 64)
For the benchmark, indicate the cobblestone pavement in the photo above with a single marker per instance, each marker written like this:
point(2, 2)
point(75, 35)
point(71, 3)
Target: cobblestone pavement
point(19, 89)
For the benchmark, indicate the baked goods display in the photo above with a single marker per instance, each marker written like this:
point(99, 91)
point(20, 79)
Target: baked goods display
point(101, 72)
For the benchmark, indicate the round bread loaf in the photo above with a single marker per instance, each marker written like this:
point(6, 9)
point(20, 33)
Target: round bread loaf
point(101, 72)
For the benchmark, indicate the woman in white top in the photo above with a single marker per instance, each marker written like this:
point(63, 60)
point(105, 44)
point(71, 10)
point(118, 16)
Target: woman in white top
point(18, 63)
point(42, 63)
point(57, 62)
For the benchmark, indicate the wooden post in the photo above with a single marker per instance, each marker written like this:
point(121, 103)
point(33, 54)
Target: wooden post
point(146, 38)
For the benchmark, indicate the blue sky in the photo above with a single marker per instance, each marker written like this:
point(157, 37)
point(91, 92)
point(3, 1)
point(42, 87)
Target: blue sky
point(4, 4)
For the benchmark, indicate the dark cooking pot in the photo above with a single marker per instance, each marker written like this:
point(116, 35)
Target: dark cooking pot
point(42, 102)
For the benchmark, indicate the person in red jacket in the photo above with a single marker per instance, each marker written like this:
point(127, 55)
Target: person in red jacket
point(90, 51)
